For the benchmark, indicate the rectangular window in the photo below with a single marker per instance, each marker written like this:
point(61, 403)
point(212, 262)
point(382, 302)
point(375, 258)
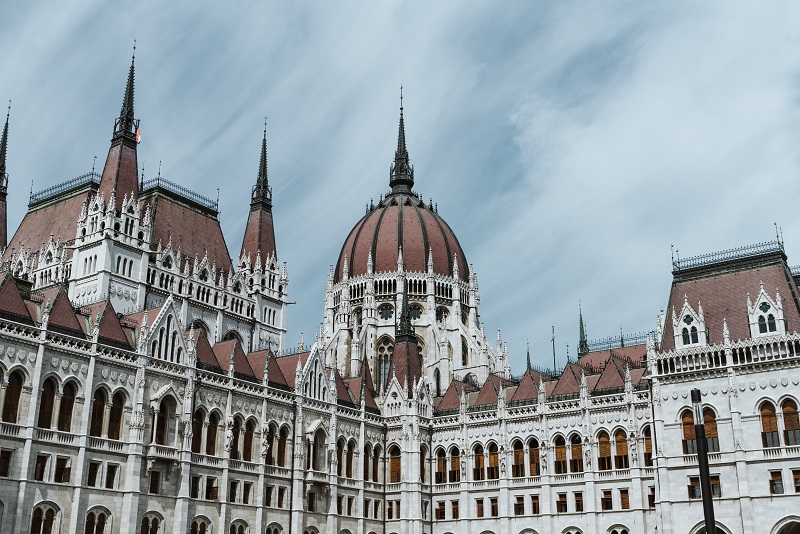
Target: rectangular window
point(519, 505)
point(111, 475)
point(716, 488)
point(366, 507)
point(651, 497)
point(478, 507)
point(376, 509)
point(440, 510)
point(694, 488)
point(397, 508)
point(310, 503)
point(281, 496)
point(350, 506)
point(234, 489)
point(624, 498)
point(194, 490)
point(606, 502)
point(425, 506)
point(394, 469)
point(91, 475)
point(62, 472)
point(561, 503)
point(268, 496)
point(339, 504)
point(535, 504)
point(453, 509)
point(578, 501)
point(40, 467)
point(796, 477)
point(495, 508)
point(155, 481)
point(5, 462)
point(247, 488)
point(776, 482)
point(389, 509)
point(212, 490)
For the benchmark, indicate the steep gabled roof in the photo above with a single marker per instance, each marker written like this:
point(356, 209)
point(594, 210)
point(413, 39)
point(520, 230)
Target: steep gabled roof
point(241, 366)
point(612, 376)
point(528, 387)
point(490, 392)
point(62, 316)
point(205, 354)
point(569, 382)
point(451, 399)
point(288, 366)
point(11, 304)
point(110, 330)
point(343, 395)
point(597, 359)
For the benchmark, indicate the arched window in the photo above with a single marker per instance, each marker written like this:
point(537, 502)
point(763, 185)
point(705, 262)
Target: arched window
point(494, 464)
point(604, 451)
point(762, 325)
point(65, 410)
point(477, 463)
point(769, 426)
point(115, 416)
point(437, 383)
point(518, 469)
point(464, 352)
point(533, 457)
point(98, 410)
point(197, 431)
point(394, 464)
point(150, 524)
point(96, 521)
point(621, 460)
point(576, 456)
point(441, 467)
point(351, 448)
point(423, 462)
point(694, 334)
point(247, 448)
point(367, 458)
point(791, 423)
point(200, 525)
point(46, 401)
point(385, 351)
point(13, 390)
point(376, 458)
point(689, 436)
point(44, 519)
point(283, 436)
point(237, 429)
point(561, 455)
point(710, 420)
point(771, 326)
point(270, 452)
point(455, 465)
point(685, 336)
point(648, 447)
point(339, 457)
point(211, 434)
point(238, 527)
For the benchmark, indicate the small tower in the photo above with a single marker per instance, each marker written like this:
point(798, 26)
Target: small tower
point(120, 172)
point(401, 174)
point(259, 234)
point(583, 344)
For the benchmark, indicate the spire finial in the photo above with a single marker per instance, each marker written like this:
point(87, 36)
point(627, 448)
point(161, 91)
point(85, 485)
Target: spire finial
point(401, 98)
point(3, 149)
point(262, 194)
point(126, 125)
point(528, 343)
point(401, 174)
point(583, 344)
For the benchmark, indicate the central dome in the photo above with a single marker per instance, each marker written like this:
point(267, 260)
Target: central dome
point(402, 220)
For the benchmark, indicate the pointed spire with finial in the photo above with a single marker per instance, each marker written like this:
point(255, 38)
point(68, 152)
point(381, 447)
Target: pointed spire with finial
point(262, 192)
point(126, 121)
point(529, 356)
point(259, 234)
point(583, 344)
point(3, 149)
point(401, 175)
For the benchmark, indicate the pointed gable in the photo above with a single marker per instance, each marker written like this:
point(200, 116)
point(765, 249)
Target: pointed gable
point(451, 400)
point(11, 304)
point(62, 317)
point(611, 377)
point(109, 328)
point(366, 376)
point(528, 388)
point(568, 383)
point(488, 393)
point(288, 366)
point(223, 352)
point(342, 392)
point(205, 354)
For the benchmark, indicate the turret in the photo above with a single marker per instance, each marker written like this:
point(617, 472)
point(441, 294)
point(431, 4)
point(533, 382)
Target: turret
point(259, 234)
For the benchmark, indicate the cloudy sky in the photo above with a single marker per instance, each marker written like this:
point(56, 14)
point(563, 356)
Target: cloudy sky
point(567, 144)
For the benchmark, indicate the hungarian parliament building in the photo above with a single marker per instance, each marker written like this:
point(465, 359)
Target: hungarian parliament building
point(147, 385)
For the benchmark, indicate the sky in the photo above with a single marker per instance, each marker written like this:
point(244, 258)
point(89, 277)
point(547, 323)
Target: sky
point(569, 145)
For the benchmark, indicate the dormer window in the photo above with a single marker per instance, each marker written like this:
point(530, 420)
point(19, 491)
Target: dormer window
point(766, 314)
point(167, 263)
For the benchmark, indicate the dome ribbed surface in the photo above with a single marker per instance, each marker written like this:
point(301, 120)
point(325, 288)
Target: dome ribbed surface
point(401, 219)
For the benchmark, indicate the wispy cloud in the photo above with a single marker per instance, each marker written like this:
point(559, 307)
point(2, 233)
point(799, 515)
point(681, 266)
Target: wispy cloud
point(567, 144)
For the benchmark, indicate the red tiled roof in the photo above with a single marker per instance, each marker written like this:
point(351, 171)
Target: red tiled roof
point(342, 392)
point(59, 219)
point(407, 363)
point(612, 376)
point(452, 397)
point(596, 360)
point(568, 383)
point(528, 387)
point(401, 220)
point(288, 366)
point(723, 295)
point(11, 304)
point(110, 330)
point(62, 316)
point(259, 234)
point(257, 361)
point(205, 354)
point(489, 393)
point(193, 232)
point(222, 353)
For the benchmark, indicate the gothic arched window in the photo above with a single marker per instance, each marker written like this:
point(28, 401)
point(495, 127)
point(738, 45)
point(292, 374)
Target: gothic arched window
point(561, 456)
point(604, 451)
point(477, 463)
point(769, 426)
point(689, 436)
point(621, 460)
point(791, 423)
point(710, 421)
point(576, 457)
point(13, 390)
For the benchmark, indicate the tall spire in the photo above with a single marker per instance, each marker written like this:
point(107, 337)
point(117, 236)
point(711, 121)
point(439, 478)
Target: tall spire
point(529, 357)
point(262, 193)
point(4, 182)
point(121, 170)
point(401, 174)
point(259, 234)
point(583, 344)
point(405, 332)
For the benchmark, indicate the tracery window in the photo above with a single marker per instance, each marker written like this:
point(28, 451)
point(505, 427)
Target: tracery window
point(394, 464)
point(386, 312)
point(200, 525)
point(44, 519)
point(648, 447)
point(13, 391)
point(494, 465)
point(518, 469)
point(46, 402)
point(150, 524)
point(441, 467)
point(710, 421)
point(689, 436)
point(96, 522)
